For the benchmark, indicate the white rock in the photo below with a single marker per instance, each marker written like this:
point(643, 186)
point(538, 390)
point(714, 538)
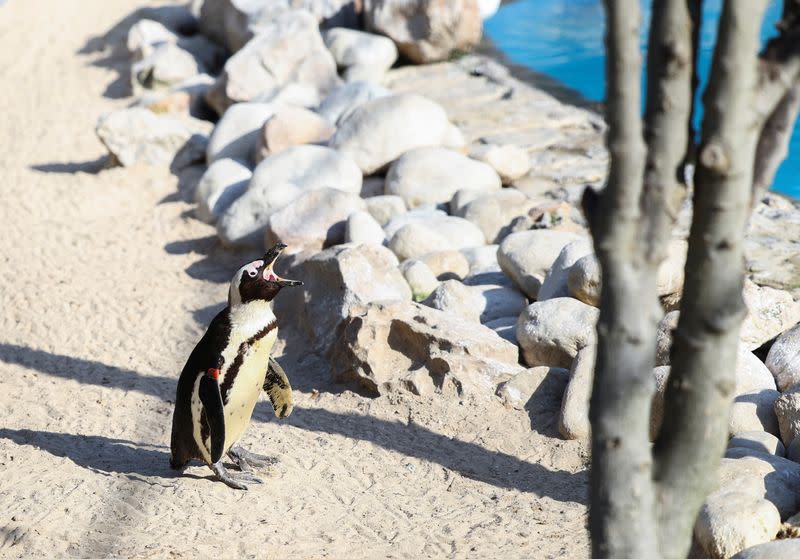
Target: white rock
point(730, 521)
point(138, 135)
point(290, 126)
point(420, 278)
point(145, 35)
point(783, 359)
point(488, 8)
point(481, 259)
point(287, 49)
point(277, 181)
point(292, 94)
point(526, 256)
point(751, 373)
point(771, 312)
point(418, 215)
point(555, 283)
point(763, 476)
point(439, 232)
point(166, 65)
point(379, 131)
point(779, 549)
point(446, 264)
point(493, 212)
point(384, 207)
point(233, 23)
point(314, 220)
point(362, 228)
point(236, 133)
point(574, 418)
point(760, 441)
point(357, 50)
point(344, 99)
point(660, 377)
point(753, 411)
point(664, 336)
point(510, 162)
point(222, 183)
point(552, 332)
point(479, 303)
point(431, 175)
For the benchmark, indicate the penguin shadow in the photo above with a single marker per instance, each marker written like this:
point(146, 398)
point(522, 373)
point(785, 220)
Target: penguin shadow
point(468, 459)
point(99, 454)
point(87, 371)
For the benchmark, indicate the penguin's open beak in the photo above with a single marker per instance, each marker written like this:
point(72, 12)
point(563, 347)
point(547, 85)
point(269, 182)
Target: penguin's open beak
point(269, 261)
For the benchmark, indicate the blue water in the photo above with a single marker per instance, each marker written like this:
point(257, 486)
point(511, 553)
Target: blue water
point(564, 39)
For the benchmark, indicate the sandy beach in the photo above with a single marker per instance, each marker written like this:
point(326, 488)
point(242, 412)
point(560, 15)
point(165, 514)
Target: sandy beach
point(108, 282)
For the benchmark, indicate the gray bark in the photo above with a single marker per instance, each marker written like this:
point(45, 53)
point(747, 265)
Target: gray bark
point(622, 519)
point(773, 145)
point(702, 379)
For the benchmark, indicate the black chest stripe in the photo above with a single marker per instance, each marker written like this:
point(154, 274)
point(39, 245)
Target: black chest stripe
point(233, 370)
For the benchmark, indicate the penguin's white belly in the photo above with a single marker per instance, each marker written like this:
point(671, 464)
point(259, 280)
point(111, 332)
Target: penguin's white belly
point(244, 392)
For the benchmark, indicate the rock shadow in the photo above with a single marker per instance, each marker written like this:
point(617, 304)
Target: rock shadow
point(468, 459)
point(102, 455)
point(544, 406)
point(93, 166)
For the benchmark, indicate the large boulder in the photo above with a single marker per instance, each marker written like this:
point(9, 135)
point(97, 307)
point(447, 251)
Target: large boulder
point(426, 31)
point(477, 303)
point(290, 126)
point(762, 475)
point(552, 332)
point(783, 359)
point(384, 207)
point(526, 256)
point(770, 312)
point(138, 135)
point(166, 66)
point(730, 521)
point(360, 55)
point(219, 187)
point(314, 220)
point(386, 347)
point(431, 175)
point(277, 181)
point(287, 49)
point(236, 133)
point(377, 132)
point(337, 280)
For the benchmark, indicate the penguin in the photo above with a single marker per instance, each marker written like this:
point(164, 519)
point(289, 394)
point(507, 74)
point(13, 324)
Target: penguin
point(225, 373)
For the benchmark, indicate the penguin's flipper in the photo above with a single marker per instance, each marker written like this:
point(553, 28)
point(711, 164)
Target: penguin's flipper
point(211, 398)
point(277, 387)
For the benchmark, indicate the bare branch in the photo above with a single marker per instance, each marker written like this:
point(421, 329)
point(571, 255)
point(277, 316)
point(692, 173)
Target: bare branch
point(773, 145)
point(700, 388)
point(670, 100)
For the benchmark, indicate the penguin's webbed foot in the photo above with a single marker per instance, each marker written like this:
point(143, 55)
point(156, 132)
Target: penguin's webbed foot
point(236, 481)
point(248, 461)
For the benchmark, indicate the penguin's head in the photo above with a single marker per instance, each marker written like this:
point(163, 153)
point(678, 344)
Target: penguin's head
point(258, 281)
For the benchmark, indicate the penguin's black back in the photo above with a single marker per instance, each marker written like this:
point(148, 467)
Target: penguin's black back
point(205, 355)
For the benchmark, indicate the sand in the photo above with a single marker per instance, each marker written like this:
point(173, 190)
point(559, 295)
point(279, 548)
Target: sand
point(107, 282)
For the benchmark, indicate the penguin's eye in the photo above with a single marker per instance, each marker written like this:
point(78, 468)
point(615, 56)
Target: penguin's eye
point(252, 273)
